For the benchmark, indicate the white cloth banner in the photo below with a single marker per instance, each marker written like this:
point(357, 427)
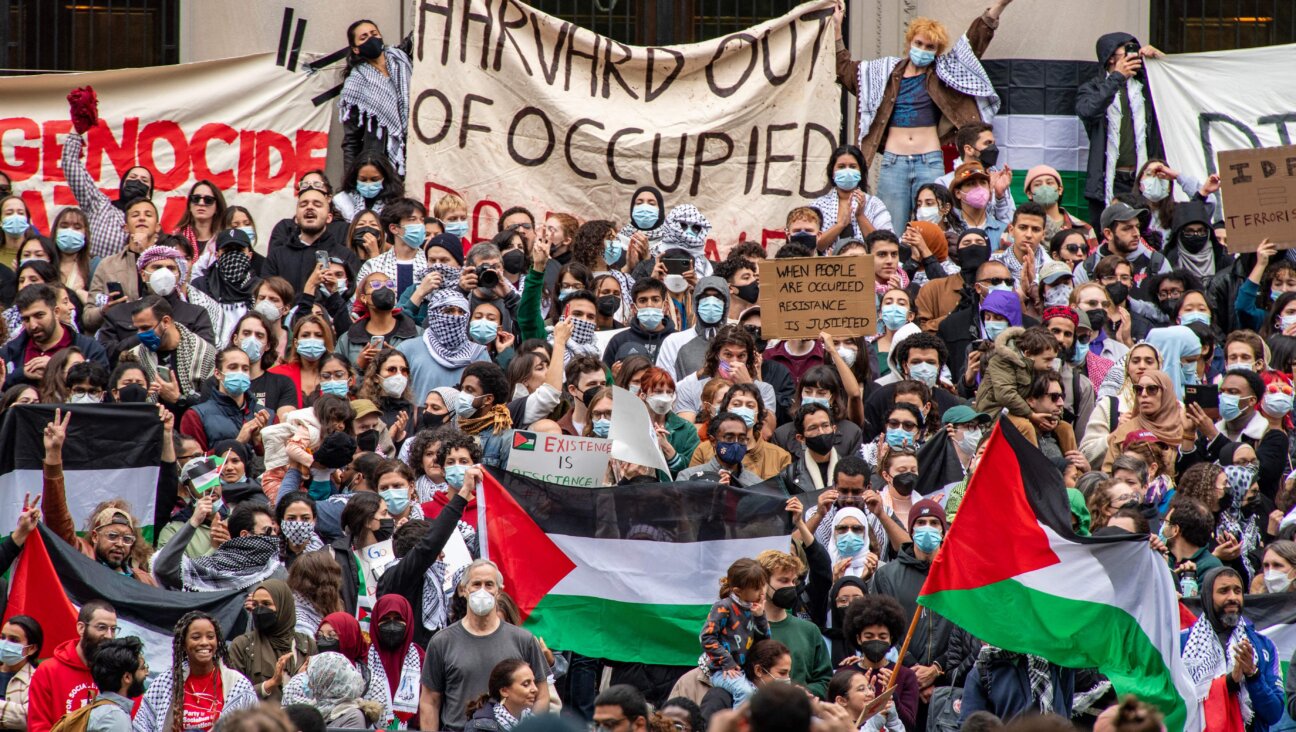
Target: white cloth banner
point(510, 106)
point(1223, 100)
point(244, 123)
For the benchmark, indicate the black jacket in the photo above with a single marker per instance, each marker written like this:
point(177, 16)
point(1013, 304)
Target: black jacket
point(903, 579)
point(636, 340)
point(294, 260)
point(118, 330)
point(14, 356)
point(405, 577)
point(1092, 99)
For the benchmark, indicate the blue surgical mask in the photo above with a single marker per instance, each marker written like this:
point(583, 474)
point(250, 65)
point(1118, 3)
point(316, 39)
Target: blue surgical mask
point(457, 228)
point(821, 401)
point(414, 235)
point(1195, 317)
point(731, 453)
point(463, 405)
point(567, 292)
point(927, 538)
point(894, 316)
point(14, 225)
point(847, 179)
point(253, 348)
point(1274, 294)
point(397, 500)
point(747, 413)
point(645, 215)
point(710, 309)
point(11, 652)
point(650, 318)
point(369, 188)
point(998, 288)
point(483, 331)
point(850, 544)
point(336, 387)
point(454, 475)
point(994, 327)
point(69, 241)
point(1277, 404)
point(150, 339)
point(1230, 406)
point(1189, 372)
point(924, 372)
point(1286, 322)
point(1079, 353)
point(602, 427)
point(310, 349)
point(921, 57)
point(236, 383)
point(898, 438)
point(250, 232)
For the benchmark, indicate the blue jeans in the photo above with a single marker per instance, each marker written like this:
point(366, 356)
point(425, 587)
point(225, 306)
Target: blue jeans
point(901, 177)
point(738, 686)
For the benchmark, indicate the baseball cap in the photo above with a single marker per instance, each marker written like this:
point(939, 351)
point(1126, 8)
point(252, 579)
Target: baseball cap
point(1054, 271)
point(233, 238)
point(927, 507)
point(1138, 436)
point(962, 414)
point(112, 515)
point(971, 170)
point(1120, 211)
point(363, 407)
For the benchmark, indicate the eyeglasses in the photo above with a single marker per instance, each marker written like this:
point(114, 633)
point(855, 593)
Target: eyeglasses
point(996, 281)
point(202, 199)
point(92, 390)
point(1150, 389)
point(1169, 294)
point(895, 424)
point(382, 285)
point(842, 530)
point(1056, 396)
point(116, 537)
point(607, 724)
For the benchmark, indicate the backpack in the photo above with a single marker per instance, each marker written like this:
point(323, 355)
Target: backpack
point(78, 721)
point(945, 708)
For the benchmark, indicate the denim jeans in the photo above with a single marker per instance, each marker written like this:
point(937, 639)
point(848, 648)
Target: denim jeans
point(738, 686)
point(901, 177)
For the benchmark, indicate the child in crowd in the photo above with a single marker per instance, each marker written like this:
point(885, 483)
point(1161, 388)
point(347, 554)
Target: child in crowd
point(734, 624)
point(1019, 355)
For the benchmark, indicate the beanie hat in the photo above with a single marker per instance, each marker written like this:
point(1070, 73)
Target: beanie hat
point(927, 507)
point(1039, 170)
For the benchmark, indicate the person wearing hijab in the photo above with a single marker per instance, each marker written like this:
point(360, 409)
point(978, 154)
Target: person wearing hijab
point(848, 548)
point(1234, 669)
point(334, 686)
point(438, 357)
point(272, 650)
point(225, 290)
point(339, 633)
point(1079, 512)
point(395, 652)
point(1180, 349)
point(930, 259)
point(643, 229)
point(843, 592)
point(686, 228)
point(237, 485)
point(1115, 397)
point(1236, 521)
point(1157, 411)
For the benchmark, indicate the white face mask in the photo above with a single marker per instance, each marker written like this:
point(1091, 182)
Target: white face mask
point(930, 214)
point(675, 283)
point(481, 603)
point(1276, 580)
point(162, 282)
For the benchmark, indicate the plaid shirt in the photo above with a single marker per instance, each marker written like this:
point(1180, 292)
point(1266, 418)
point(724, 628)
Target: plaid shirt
point(107, 222)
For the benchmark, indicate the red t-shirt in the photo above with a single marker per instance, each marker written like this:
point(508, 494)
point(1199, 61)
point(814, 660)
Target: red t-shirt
point(203, 701)
point(32, 350)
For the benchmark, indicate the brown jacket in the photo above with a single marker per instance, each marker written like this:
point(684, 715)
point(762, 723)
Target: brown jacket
point(1063, 433)
point(936, 299)
point(59, 519)
point(956, 109)
point(119, 268)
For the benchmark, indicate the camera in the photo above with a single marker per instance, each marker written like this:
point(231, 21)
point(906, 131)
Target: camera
point(1131, 48)
point(488, 278)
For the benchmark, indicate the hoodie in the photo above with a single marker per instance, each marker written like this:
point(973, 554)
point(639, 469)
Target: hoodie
point(637, 340)
point(1092, 101)
point(1006, 378)
point(685, 351)
point(1211, 259)
point(295, 260)
point(60, 685)
point(903, 579)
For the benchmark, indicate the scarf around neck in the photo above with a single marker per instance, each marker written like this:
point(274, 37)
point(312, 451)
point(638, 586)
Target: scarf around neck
point(238, 563)
point(446, 336)
point(380, 102)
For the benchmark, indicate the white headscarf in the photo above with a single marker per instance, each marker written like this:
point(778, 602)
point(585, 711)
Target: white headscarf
point(856, 568)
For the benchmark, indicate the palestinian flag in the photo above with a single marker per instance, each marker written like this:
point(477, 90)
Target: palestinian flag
point(626, 573)
point(1012, 573)
point(939, 469)
point(1274, 616)
point(51, 580)
point(111, 451)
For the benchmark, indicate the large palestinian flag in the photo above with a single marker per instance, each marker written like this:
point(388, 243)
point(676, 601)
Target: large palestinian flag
point(626, 573)
point(111, 451)
point(52, 580)
point(1012, 573)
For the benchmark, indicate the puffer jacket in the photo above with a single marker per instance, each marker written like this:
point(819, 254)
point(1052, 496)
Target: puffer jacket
point(1007, 377)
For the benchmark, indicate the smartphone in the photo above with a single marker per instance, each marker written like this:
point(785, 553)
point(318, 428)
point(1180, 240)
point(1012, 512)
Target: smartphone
point(322, 260)
point(677, 265)
point(1132, 48)
point(377, 341)
point(115, 290)
point(1204, 395)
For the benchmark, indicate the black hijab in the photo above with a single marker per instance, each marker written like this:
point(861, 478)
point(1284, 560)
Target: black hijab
point(661, 207)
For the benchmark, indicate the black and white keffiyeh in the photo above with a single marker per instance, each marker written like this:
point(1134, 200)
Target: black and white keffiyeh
point(960, 69)
point(240, 562)
point(446, 336)
point(508, 721)
point(380, 103)
point(582, 341)
point(1244, 528)
point(1037, 670)
point(1207, 660)
point(679, 229)
point(436, 598)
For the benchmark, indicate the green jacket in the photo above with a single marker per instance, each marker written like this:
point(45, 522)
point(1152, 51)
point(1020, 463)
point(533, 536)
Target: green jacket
point(1006, 378)
point(682, 436)
point(530, 321)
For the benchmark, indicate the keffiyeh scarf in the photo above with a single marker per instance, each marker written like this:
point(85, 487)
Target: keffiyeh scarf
point(960, 69)
point(238, 563)
point(1037, 670)
point(582, 341)
point(1207, 660)
point(446, 336)
point(1244, 528)
point(380, 103)
point(508, 721)
point(436, 598)
point(678, 232)
point(231, 279)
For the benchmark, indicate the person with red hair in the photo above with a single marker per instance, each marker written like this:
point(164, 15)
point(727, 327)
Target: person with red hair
point(676, 437)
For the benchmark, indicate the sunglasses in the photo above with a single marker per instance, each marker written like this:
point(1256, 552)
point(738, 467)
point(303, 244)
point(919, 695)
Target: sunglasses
point(201, 199)
point(1150, 389)
point(1056, 396)
point(996, 281)
point(895, 424)
point(1074, 249)
point(382, 285)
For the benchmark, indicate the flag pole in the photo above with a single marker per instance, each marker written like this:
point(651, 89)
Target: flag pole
point(891, 682)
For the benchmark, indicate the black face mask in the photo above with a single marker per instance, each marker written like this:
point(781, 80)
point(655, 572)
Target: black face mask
point(1194, 243)
point(905, 483)
point(874, 650)
point(391, 634)
point(1170, 306)
point(372, 48)
point(608, 304)
point(131, 190)
point(805, 239)
point(749, 292)
point(1097, 319)
point(971, 258)
point(383, 300)
point(514, 261)
point(1226, 501)
point(430, 421)
point(785, 597)
point(263, 618)
point(132, 394)
point(821, 444)
point(367, 441)
point(327, 645)
point(1117, 291)
point(385, 528)
point(990, 155)
point(358, 236)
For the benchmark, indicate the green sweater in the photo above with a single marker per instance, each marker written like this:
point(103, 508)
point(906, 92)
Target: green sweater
point(811, 666)
point(530, 321)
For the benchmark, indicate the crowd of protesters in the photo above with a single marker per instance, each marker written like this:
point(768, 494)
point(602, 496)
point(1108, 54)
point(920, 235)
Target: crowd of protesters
point(357, 364)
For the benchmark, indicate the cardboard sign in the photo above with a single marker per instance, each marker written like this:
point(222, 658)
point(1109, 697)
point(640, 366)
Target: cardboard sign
point(801, 297)
point(579, 461)
point(1259, 189)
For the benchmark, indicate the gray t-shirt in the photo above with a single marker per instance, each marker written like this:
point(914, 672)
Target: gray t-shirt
point(458, 665)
